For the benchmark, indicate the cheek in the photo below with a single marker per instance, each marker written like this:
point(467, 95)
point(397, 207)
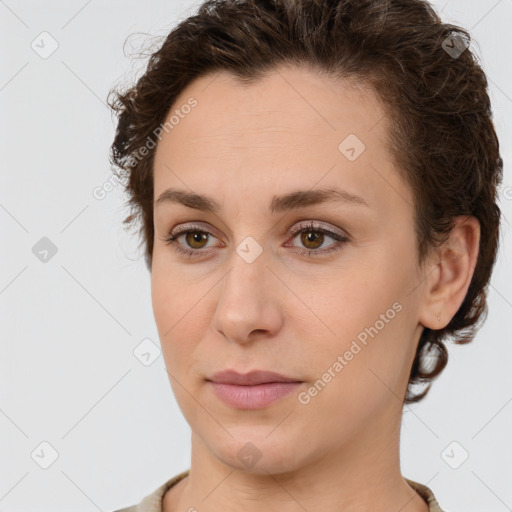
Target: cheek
point(368, 320)
point(352, 299)
point(173, 298)
point(353, 380)
point(174, 317)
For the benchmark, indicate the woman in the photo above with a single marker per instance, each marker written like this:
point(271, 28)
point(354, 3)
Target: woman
point(316, 183)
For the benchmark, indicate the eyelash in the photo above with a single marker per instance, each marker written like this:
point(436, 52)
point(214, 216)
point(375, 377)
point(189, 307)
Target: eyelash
point(172, 239)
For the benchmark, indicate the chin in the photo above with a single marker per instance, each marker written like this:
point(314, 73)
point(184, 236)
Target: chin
point(253, 450)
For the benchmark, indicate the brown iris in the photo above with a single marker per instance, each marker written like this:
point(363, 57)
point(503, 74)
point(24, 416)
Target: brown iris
point(311, 236)
point(195, 237)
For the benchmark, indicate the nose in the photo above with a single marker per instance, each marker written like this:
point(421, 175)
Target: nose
point(249, 302)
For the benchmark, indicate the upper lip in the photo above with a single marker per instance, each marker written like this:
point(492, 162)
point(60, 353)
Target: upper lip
point(252, 378)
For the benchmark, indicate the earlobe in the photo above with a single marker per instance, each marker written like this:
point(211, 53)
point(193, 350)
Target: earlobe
point(450, 275)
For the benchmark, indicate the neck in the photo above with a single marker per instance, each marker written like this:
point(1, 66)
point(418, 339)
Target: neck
point(361, 475)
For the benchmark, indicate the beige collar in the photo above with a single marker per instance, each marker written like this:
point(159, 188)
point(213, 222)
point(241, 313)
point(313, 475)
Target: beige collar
point(153, 501)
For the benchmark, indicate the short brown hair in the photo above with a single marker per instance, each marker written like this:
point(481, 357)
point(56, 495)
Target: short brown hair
point(442, 138)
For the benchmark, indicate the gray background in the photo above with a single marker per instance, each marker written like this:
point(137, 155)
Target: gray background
point(69, 326)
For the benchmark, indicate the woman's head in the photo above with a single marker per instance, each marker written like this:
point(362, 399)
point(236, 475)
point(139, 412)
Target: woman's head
point(382, 100)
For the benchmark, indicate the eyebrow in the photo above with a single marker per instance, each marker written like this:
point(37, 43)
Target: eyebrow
point(291, 201)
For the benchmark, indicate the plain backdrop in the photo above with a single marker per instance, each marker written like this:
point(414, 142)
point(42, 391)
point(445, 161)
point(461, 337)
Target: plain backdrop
point(84, 424)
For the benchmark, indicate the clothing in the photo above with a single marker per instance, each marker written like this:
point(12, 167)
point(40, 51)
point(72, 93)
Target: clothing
point(153, 502)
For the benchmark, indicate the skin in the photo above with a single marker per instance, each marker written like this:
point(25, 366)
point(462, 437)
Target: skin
point(285, 311)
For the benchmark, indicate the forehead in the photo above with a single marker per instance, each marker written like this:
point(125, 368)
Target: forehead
point(294, 124)
point(298, 99)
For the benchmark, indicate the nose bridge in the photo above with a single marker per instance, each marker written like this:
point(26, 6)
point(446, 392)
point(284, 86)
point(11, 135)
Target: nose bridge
point(244, 285)
point(247, 301)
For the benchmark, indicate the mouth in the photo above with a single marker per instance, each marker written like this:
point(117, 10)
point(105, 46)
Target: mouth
point(253, 378)
point(253, 390)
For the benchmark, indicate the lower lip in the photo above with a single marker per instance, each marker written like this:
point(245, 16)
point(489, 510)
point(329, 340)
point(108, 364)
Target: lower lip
point(253, 397)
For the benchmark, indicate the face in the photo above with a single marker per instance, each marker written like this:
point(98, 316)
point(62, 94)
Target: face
point(323, 290)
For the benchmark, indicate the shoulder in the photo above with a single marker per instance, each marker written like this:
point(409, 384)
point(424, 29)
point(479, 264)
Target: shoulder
point(153, 501)
point(425, 492)
point(129, 509)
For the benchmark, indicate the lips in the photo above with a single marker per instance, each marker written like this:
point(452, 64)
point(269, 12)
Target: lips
point(252, 378)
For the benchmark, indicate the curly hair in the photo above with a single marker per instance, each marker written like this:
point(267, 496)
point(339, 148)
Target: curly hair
point(441, 137)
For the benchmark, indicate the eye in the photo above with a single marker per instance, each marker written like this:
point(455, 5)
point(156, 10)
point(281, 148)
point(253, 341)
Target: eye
point(194, 238)
point(312, 237)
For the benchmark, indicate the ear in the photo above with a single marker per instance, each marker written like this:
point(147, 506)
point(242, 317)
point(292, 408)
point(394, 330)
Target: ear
point(449, 273)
